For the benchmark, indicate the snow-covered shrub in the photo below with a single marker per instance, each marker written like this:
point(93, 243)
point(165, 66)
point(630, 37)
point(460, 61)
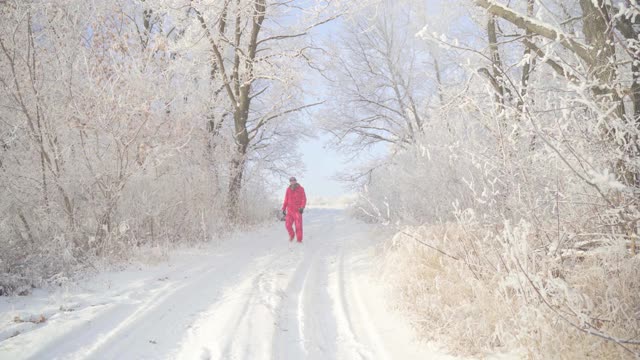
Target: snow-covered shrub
point(483, 291)
point(108, 143)
point(531, 158)
point(418, 183)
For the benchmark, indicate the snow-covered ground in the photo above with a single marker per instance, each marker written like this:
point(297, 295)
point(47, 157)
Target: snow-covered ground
point(254, 296)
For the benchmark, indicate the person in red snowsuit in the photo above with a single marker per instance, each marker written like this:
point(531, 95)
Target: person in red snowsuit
point(294, 202)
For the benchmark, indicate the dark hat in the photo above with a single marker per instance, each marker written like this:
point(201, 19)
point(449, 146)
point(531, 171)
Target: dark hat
point(292, 179)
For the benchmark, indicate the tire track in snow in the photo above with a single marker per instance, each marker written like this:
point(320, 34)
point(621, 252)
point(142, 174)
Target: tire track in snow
point(354, 347)
point(130, 307)
point(359, 319)
point(306, 326)
point(317, 318)
point(320, 327)
point(155, 323)
point(113, 344)
point(236, 326)
point(260, 298)
point(288, 340)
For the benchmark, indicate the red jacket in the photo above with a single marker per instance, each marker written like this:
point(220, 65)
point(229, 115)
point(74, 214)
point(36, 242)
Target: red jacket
point(294, 199)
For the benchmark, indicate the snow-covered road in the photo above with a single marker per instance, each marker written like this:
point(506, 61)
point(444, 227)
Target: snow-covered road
point(252, 297)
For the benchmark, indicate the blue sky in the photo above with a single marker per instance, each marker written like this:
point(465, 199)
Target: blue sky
point(322, 163)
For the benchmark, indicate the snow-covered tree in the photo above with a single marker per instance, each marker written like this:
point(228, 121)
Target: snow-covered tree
point(256, 52)
point(525, 177)
point(111, 134)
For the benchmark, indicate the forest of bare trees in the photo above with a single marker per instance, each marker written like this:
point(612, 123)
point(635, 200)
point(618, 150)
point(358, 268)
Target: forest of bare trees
point(141, 123)
point(507, 136)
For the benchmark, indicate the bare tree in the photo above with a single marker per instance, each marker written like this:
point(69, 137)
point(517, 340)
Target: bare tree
point(556, 89)
point(379, 84)
point(102, 137)
point(245, 59)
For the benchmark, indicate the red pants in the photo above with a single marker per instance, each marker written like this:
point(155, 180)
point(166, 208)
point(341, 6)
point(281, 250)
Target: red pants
point(294, 216)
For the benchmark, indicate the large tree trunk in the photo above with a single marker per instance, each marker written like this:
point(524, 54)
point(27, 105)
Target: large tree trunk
point(235, 188)
point(597, 29)
point(242, 89)
point(242, 145)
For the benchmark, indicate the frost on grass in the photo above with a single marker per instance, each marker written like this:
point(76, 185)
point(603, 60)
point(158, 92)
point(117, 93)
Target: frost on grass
point(497, 297)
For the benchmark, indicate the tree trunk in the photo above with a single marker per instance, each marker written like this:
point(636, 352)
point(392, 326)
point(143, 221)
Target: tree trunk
point(242, 87)
point(526, 69)
point(625, 26)
point(235, 188)
point(237, 83)
point(496, 64)
point(598, 32)
point(238, 163)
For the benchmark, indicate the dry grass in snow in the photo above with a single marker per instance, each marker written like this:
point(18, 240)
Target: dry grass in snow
point(482, 291)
